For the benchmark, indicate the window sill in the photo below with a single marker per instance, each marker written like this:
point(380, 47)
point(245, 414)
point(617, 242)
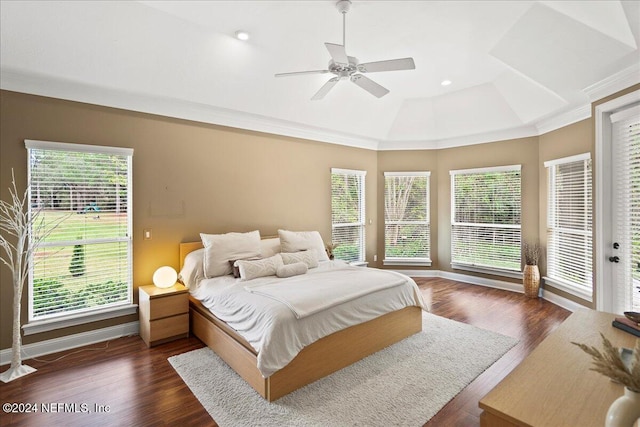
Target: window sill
point(410, 262)
point(485, 270)
point(568, 288)
point(38, 326)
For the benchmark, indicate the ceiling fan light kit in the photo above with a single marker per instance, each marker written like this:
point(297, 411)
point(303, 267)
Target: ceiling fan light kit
point(346, 67)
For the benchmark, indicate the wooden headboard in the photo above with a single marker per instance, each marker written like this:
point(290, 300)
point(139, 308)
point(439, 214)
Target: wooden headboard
point(188, 247)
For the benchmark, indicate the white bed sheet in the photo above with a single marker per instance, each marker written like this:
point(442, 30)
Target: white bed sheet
point(272, 328)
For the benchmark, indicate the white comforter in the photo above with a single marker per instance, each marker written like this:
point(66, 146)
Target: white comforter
point(301, 292)
point(271, 326)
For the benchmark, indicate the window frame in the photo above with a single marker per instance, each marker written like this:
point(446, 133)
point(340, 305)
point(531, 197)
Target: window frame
point(494, 270)
point(66, 319)
point(410, 261)
point(558, 282)
point(362, 213)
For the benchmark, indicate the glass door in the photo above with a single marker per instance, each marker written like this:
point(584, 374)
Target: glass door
point(624, 253)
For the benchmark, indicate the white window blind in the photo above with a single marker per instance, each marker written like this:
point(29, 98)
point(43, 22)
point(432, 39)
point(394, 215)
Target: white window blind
point(406, 218)
point(347, 213)
point(626, 207)
point(84, 263)
point(569, 225)
point(485, 212)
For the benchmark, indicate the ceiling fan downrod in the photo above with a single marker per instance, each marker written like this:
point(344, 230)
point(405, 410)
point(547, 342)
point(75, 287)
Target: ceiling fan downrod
point(343, 7)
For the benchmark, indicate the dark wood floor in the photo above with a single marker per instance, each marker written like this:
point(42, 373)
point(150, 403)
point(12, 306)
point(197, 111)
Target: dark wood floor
point(140, 388)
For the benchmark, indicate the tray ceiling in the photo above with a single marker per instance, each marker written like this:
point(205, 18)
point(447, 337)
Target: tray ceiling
point(517, 68)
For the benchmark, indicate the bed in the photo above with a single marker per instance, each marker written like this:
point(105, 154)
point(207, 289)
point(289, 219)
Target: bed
point(315, 360)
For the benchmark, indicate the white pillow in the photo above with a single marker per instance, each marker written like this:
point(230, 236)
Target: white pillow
point(192, 269)
point(220, 248)
point(289, 270)
point(269, 247)
point(259, 268)
point(307, 257)
point(295, 241)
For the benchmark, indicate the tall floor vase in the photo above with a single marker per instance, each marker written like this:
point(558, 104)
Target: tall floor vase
point(531, 281)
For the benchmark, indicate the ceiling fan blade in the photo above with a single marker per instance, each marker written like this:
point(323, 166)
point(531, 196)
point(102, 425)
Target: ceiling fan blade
point(338, 53)
point(297, 73)
point(369, 85)
point(390, 65)
point(325, 89)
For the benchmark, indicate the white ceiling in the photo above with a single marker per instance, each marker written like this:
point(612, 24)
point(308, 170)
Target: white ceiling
point(518, 68)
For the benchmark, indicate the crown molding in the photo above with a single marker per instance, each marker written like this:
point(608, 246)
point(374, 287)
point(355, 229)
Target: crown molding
point(481, 138)
point(172, 107)
point(564, 119)
point(41, 85)
point(614, 83)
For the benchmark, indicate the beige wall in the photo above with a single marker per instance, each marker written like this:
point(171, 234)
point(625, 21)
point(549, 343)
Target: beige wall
point(574, 139)
point(567, 141)
point(409, 161)
point(188, 178)
point(191, 177)
point(522, 151)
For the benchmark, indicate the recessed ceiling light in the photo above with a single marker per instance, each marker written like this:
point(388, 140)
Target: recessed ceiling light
point(445, 82)
point(242, 35)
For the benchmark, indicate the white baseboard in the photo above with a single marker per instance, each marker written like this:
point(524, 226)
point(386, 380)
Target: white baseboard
point(561, 301)
point(72, 341)
point(466, 278)
point(483, 281)
point(497, 284)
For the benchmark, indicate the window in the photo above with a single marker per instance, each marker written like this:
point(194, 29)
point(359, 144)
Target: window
point(347, 214)
point(485, 226)
point(569, 225)
point(406, 218)
point(84, 263)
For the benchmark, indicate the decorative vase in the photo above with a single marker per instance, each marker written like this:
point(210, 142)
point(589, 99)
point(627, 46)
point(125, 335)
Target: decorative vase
point(625, 410)
point(531, 281)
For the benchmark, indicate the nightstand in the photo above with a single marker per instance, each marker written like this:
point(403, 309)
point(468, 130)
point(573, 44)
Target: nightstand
point(164, 313)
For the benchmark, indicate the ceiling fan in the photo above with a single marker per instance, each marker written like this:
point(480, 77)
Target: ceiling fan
point(347, 67)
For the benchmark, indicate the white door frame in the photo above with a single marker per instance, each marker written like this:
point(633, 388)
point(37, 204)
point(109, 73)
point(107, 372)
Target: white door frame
point(603, 215)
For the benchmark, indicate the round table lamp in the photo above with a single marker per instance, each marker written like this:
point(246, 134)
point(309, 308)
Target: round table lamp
point(165, 277)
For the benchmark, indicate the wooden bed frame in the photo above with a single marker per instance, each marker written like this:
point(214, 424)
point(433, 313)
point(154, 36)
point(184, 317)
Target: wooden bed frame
point(315, 361)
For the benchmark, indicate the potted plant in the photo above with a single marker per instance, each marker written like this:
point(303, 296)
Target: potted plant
point(531, 273)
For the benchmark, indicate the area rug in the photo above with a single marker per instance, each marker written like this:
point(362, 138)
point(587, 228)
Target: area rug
point(403, 385)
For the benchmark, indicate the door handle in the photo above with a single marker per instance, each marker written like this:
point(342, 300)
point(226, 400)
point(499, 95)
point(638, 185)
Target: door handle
point(614, 259)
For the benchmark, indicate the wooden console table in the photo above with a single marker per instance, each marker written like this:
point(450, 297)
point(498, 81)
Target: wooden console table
point(553, 386)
